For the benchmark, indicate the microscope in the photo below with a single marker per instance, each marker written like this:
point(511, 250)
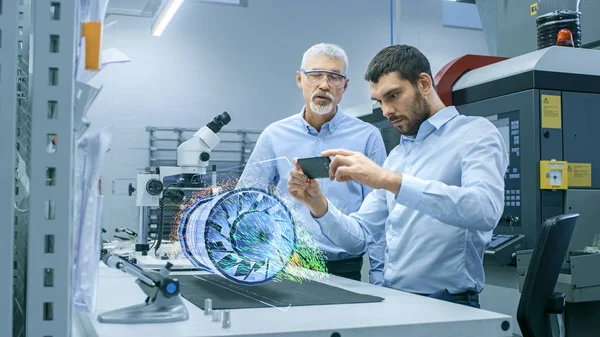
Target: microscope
point(192, 160)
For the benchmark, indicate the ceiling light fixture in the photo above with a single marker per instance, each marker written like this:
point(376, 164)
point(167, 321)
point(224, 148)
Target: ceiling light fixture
point(164, 16)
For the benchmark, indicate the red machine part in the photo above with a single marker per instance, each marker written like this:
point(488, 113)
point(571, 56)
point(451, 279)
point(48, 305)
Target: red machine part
point(451, 72)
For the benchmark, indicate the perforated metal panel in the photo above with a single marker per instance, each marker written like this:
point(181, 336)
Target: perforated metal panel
point(23, 146)
point(50, 257)
point(8, 108)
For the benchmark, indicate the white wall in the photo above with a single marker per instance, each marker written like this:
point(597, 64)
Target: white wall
point(420, 24)
point(214, 58)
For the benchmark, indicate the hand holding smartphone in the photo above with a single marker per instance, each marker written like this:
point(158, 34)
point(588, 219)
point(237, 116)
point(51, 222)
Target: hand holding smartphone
point(315, 167)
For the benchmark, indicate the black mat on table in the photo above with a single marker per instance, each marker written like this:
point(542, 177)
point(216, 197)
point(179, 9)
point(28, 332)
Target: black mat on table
point(226, 294)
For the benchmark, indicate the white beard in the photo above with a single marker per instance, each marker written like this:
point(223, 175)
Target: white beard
point(321, 109)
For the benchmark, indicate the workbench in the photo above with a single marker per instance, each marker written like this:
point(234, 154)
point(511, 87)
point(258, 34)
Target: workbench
point(400, 314)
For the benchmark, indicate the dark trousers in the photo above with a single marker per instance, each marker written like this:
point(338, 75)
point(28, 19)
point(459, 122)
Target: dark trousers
point(348, 268)
point(469, 298)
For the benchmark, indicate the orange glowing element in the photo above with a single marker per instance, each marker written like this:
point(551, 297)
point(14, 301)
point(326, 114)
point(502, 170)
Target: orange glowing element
point(565, 38)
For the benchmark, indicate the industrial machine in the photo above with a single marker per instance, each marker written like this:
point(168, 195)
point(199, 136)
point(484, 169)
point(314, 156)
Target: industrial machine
point(192, 162)
point(544, 104)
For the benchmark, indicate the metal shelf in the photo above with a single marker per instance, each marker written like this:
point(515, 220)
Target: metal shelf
point(163, 143)
point(9, 24)
point(50, 242)
point(23, 147)
point(37, 282)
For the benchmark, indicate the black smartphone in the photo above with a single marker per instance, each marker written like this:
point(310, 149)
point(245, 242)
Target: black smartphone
point(315, 167)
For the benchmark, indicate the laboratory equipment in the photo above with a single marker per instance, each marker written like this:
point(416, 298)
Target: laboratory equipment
point(192, 160)
point(163, 303)
point(542, 104)
point(217, 315)
point(226, 319)
point(207, 307)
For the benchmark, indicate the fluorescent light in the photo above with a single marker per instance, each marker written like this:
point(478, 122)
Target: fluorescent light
point(164, 16)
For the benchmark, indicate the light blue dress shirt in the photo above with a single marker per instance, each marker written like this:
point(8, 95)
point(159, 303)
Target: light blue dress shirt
point(440, 223)
point(294, 137)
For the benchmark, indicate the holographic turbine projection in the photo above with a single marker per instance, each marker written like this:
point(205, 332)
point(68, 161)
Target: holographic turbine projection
point(246, 235)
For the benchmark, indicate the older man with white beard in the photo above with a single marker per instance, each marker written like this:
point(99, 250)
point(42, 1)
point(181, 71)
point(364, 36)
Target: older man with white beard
point(320, 125)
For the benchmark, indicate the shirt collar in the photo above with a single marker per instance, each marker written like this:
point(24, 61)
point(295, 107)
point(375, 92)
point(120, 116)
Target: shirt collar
point(329, 126)
point(442, 117)
point(432, 124)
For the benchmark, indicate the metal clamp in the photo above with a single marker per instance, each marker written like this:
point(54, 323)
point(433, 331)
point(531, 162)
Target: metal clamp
point(163, 303)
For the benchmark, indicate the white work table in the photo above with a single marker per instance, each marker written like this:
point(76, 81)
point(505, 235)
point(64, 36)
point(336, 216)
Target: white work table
point(400, 314)
point(151, 262)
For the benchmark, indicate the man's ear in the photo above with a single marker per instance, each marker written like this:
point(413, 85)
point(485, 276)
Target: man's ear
point(299, 79)
point(346, 85)
point(425, 83)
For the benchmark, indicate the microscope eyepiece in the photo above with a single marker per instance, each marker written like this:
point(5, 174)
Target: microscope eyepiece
point(219, 122)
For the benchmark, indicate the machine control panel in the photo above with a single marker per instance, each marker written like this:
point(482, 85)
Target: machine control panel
point(508, 126)
point(503, 248)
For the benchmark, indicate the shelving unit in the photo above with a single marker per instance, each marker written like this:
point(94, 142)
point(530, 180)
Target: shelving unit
point(233, 150)
point(9, 11)
point(36, 282)
point(37, 107)
point(23, 146)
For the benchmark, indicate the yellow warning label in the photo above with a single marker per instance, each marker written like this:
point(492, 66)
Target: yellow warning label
point(551, 112)
point(580, 174)
point(533, 9)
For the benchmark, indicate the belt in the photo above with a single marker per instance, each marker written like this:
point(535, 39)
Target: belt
point(347, 261)
point(468, 295)
point(351, 264)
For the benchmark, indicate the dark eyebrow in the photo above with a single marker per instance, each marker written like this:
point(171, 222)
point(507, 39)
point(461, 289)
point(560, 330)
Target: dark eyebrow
point(389, 92)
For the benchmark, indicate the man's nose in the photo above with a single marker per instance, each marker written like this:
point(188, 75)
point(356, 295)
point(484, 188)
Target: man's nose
point(324, 85)
point(387, 110)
